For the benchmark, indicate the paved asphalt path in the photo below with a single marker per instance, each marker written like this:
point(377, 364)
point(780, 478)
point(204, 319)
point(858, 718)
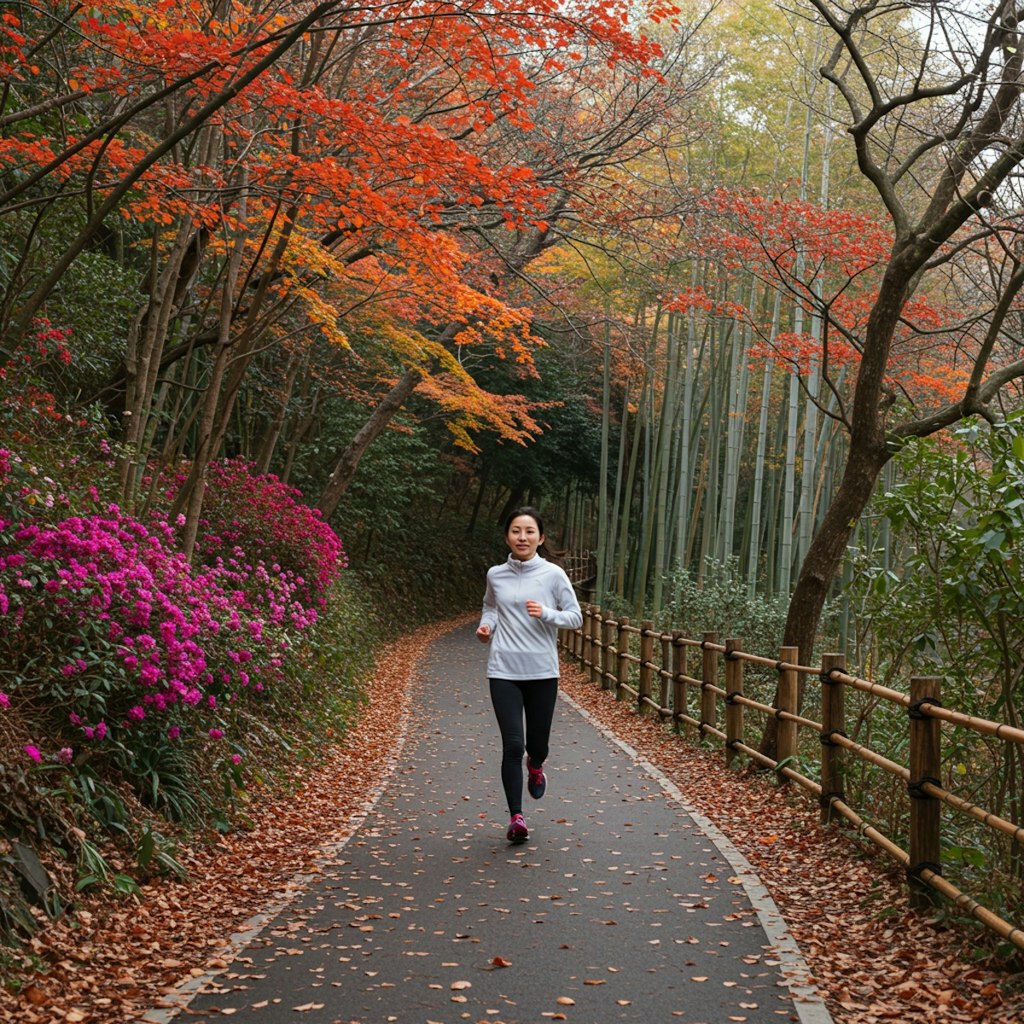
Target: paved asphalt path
point(622, 906)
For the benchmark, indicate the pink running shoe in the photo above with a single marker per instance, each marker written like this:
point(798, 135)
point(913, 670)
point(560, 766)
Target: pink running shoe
point(517, 830)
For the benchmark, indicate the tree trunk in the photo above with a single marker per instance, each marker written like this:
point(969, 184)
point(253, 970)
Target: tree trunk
point(272, 435)
point(142, 361)
point(824, 561)
point(370, 430)
point(868, 454)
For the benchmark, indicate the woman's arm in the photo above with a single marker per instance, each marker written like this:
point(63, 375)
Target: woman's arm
point(488, 614)
point(566, 613)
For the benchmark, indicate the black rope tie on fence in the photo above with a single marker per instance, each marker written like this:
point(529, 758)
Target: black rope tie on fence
point(829, 676)
point(926, 865)
point(730, 697)
point(916, 789)
point(827, 737)
point(914, 710)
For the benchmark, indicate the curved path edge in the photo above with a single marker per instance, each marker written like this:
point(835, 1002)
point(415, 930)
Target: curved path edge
point(807, 1003)
point(177, 1002)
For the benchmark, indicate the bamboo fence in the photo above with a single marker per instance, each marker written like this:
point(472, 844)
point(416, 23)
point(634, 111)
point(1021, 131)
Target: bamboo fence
point(656, 675)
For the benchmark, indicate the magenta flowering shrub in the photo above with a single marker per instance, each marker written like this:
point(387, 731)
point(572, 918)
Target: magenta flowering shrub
point(125, 647)
point(121, 660)
point(254, 520)
point(109, 625)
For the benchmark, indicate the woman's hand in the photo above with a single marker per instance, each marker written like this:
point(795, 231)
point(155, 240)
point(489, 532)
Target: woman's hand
point(483, 634)
point(535, 609)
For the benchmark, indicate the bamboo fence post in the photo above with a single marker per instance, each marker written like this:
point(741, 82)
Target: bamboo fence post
point(733, 689)
point(665, 673)
point(787, 690)
point(646, 660)
point(925, 811)
point(622, 668)
point(833, 697)
point(579, 639)
point(608, 676)
point(594, 639)
point(679, 696)
point(709, 678)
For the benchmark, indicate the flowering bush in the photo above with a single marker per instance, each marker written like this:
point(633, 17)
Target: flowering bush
point(125, 648)
point(123, 662)
point(110, 627)
point(252, 520)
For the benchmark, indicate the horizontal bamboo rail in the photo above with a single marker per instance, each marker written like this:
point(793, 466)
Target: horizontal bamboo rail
point(655, 674)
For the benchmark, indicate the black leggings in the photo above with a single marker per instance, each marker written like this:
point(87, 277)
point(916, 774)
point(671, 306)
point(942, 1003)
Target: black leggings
point(516, 700)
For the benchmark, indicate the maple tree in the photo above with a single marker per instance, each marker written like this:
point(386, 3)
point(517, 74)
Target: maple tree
point(830, 261)
point(583, 125)
point(301, 172)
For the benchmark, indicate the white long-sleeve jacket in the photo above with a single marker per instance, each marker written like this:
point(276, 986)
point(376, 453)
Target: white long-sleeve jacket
point(521, 646)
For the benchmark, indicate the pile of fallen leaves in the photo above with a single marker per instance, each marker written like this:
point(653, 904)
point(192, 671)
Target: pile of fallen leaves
point(111, 961)
point(872, 957)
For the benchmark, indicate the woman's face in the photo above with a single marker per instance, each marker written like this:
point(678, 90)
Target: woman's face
point(524, 537)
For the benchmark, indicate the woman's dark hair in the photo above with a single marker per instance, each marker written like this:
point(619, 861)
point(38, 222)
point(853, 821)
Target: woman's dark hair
point(545, 551)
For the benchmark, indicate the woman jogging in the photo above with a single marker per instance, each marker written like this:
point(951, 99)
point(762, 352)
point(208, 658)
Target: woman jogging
point(527, 600)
